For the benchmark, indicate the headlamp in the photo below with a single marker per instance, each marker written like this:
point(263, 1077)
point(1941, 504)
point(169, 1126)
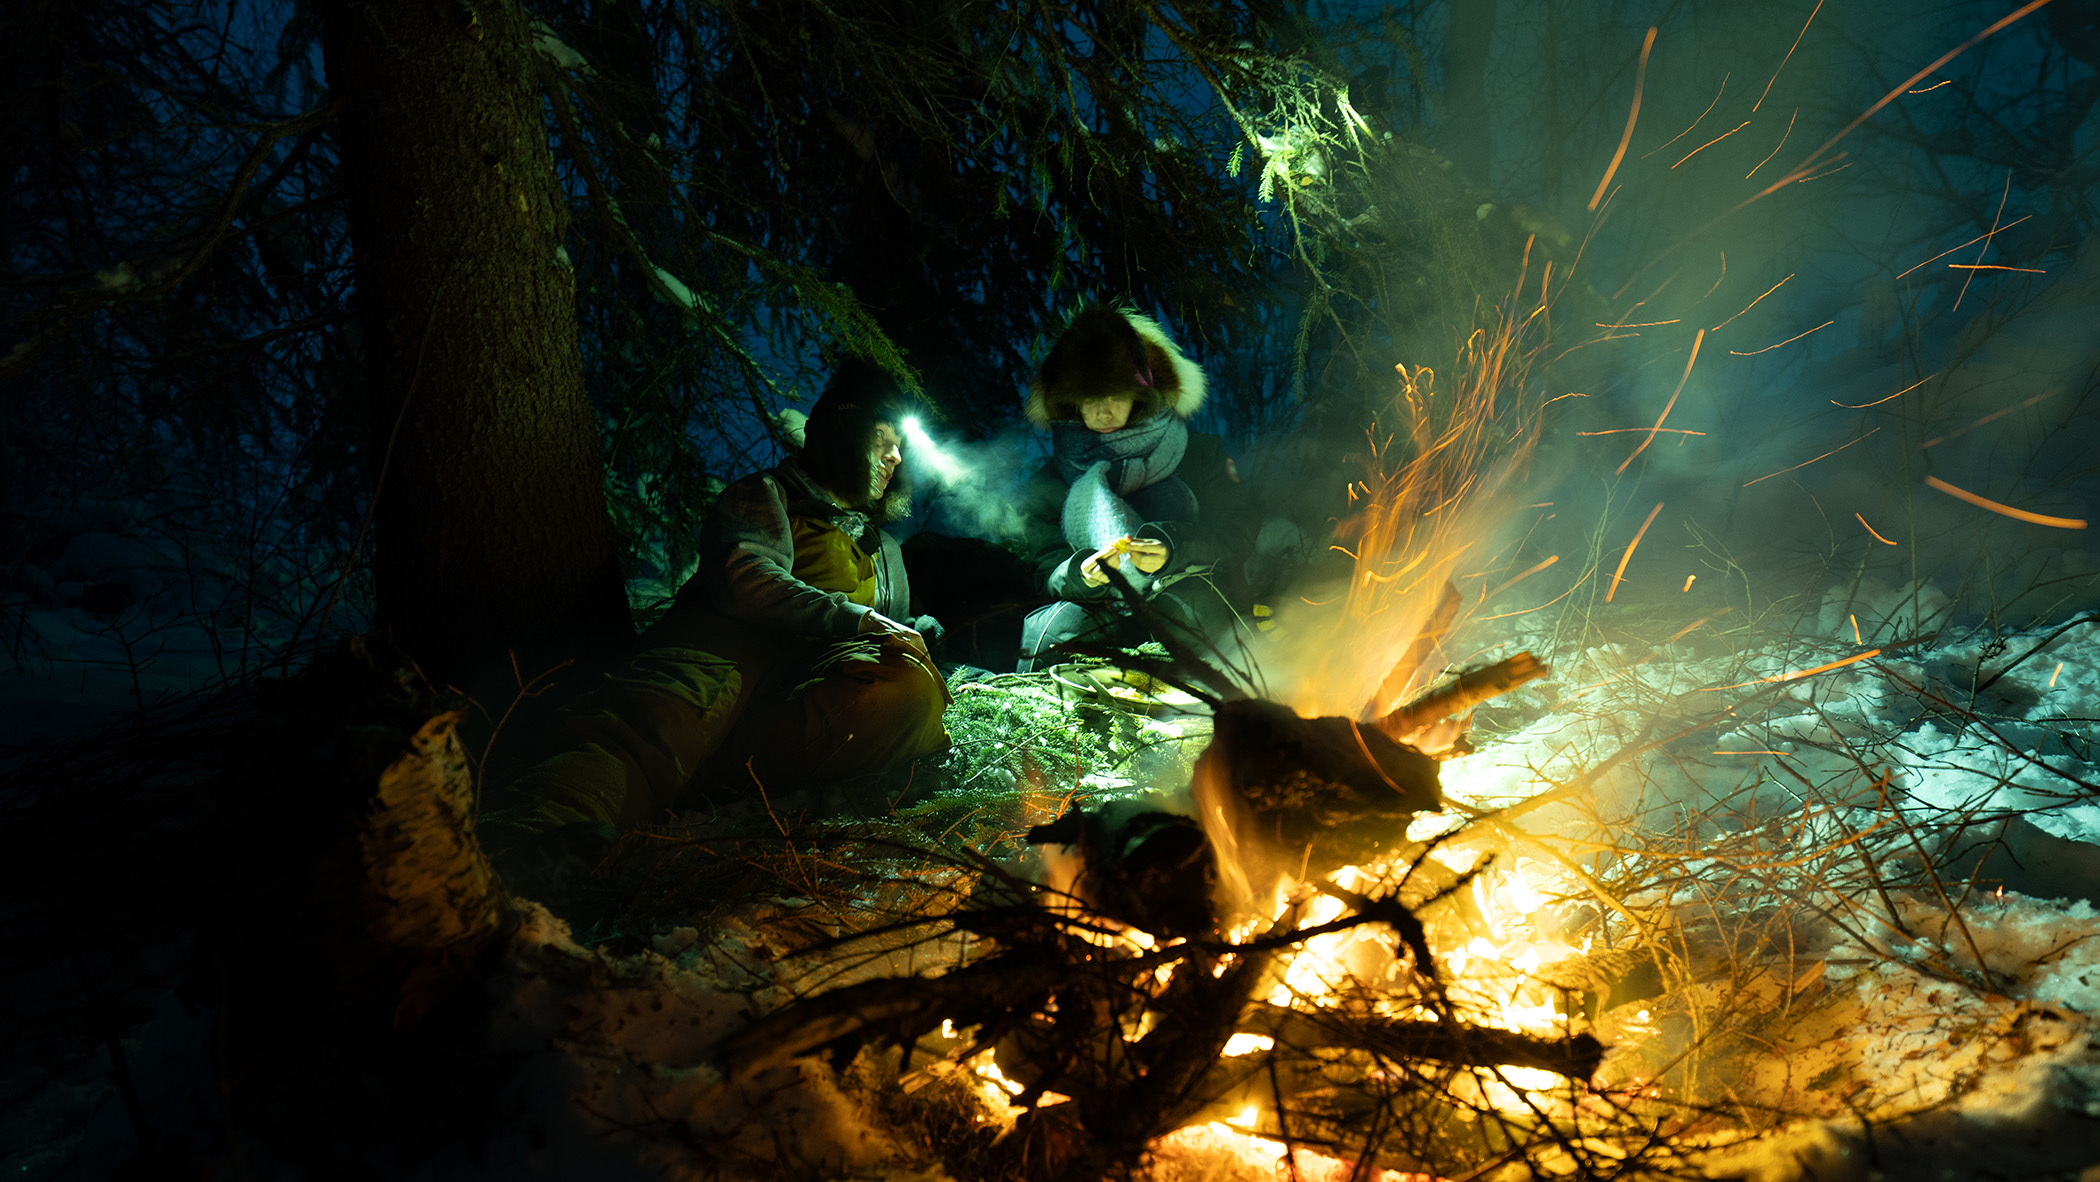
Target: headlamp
point(944, 465)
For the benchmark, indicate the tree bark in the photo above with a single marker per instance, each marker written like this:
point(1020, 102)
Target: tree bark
point(491, 530)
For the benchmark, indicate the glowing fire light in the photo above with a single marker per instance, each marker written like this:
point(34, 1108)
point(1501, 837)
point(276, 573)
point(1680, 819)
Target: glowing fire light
point(1271, 1157)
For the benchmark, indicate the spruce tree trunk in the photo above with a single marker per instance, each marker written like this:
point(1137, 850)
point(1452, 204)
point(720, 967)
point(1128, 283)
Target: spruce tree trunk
point(490, 529)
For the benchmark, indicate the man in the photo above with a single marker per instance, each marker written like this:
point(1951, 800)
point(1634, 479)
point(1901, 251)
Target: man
point(786, 658)
point(1129, 485)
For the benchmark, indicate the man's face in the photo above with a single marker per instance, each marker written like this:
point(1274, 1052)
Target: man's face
point(1108, 413)
point(885, 456)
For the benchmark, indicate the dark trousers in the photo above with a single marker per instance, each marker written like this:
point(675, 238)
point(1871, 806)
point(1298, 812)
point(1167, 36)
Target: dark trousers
point(1195, 612)
point(716, 699)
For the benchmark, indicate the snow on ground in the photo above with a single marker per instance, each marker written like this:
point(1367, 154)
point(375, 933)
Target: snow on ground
point(102, 615)
point(1988, 723)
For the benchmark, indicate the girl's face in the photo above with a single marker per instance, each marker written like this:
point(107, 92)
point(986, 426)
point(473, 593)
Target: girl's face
point(1110, 412)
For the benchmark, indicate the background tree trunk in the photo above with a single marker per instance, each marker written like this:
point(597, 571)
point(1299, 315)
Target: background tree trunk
point(491, 528)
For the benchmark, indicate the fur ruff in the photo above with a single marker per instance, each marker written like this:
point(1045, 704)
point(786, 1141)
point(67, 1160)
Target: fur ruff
point(1173, 372)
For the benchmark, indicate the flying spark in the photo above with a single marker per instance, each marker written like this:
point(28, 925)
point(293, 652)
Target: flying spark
point(1995, 219)
point(1789, 56)
point(1696, 122)
point(1751, 304)
point(1991, 417)
point(1619, 574)
point(2006, 510)
point(1805, 463)
point(2010, 18)
point(1879, 401)
point(1640, 79)
point(1971, 242)
point(1790, 340)
point(1710, 143)
point(1775, 147)
point(1872, 652)
point(1689, 362)
point(1536, 568)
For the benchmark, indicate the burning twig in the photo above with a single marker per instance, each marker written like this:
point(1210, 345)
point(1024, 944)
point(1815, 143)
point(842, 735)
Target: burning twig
point(1435, 631)
point(1468, 691)
point(1473, 1046)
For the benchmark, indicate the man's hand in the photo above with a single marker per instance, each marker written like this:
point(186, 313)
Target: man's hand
point(1146, 554)
point(877, 624)
point(911, 641)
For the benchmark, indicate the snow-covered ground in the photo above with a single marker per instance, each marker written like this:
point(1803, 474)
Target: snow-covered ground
point(103, 614)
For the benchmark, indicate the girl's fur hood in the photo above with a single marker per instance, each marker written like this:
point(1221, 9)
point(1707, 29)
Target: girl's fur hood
point(1114, 350)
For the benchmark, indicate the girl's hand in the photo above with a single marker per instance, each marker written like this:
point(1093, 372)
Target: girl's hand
point(1146, 554)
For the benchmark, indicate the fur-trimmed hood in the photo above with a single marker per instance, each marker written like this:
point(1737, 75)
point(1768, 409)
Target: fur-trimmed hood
point(1114, 350)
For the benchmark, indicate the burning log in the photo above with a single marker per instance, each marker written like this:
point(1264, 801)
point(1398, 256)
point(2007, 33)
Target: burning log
point(1278, 793)
point(993, 994)
point(1414, 722)
point(1281, 794)
point(1469, 690)
point(1473, 1046)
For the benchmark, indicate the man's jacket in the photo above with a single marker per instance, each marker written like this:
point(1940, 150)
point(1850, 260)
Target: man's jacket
point(776, 551)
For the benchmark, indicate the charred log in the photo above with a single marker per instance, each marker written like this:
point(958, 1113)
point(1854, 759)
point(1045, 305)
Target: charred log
point(1151, 870)
point(1315, 793)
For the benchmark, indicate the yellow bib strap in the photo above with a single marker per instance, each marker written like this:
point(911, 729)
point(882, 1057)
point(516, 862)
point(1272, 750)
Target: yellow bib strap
point(828, 560)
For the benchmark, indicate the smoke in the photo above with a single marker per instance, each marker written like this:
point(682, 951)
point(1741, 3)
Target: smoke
point(974, 489)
